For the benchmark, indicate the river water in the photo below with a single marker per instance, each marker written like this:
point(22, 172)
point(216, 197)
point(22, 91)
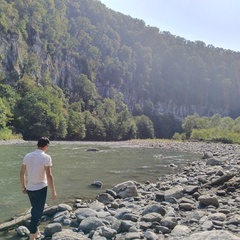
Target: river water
point(75, 168)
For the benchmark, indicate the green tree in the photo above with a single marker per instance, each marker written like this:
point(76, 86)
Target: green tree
point(125, 126)
point(9, 96)
point(3, 115)
point(137, 110)
point(165, 125)
point(236, 127)
point(202, 123)
point(40, 113)
point(95, 130)
point(107, 114)
point(144, 127)
point(25, 85)
point(226, 123)
point(214, 121)
point(76, 127)
point(189, 123)
point(85, 90)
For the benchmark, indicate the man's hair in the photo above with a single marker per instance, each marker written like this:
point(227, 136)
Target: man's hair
point(43, 141)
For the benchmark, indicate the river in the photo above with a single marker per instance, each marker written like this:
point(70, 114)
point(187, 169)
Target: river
point(75, 168)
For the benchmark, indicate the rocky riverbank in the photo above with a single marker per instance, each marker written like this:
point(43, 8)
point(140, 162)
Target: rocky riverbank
point(200, 202)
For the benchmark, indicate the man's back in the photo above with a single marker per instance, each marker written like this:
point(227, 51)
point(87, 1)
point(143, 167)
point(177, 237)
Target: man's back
point(36, 162)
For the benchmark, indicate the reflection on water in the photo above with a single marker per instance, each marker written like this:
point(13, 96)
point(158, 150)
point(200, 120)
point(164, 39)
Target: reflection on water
point(75, 168)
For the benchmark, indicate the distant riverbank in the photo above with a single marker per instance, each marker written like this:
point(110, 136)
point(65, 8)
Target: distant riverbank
point(196, 147)
point(14, 141)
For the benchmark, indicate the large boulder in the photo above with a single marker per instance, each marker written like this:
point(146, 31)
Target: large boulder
point(126, 189)
point(207, 155)
point(180, 230)
point(105, 198)
point(89, 224)
point(154, 208)
point(52, 228)
point(64, 207)
point(107, 232)
point(174, 192)
point(214, 162)
point(69, 235)
point(83, 213)
point(152, 217)
point(209, 199)
point(209, 235)
point(22, 231)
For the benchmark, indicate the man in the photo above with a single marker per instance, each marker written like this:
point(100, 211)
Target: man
point(36, 169)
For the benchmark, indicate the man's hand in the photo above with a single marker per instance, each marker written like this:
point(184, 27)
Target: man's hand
point(54, 195)
point(24, 190)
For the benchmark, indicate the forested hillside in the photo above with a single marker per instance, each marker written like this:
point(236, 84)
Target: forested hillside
point(74, 69)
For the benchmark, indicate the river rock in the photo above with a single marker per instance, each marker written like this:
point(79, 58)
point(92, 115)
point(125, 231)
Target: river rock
point(64, 207)
point(217, 216)
point(149, 235)
point(107, 232)
point(52, 228)
point(112, 193)
point(234, 220)
point(190, 189)
point(126, 225)
point(131, 236)
point(152, 217)
point(105, 198)
point(92, 150)
point(97, 184)
point(214, 162)
point(186, 206)
point(96, 205)
point(169, 222)
point(209, 199)
point(207, 225)
point(90, 223)
point(66, 221)
point(22, 231)
point(180, 230)
point(154, 208)
point(67, 234)
point(61, 216)
point(159, 196)
point(126, 189)
point(207, 155)
point(120, 213)
point(131, 216)
point(83, 213)
point(174, 192)
point(210, 235)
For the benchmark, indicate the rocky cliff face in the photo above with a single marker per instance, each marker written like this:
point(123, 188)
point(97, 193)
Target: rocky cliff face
point(19, 56)
point(180, 112)
point(32, 56)
point(9, 56)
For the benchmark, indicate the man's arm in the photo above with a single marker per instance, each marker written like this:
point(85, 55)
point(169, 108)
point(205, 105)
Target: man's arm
point(50, 180)
point(23, 178)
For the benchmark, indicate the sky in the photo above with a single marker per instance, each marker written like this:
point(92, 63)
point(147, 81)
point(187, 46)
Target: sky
point(215, 22)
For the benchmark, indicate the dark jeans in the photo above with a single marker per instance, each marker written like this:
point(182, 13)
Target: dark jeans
point(38, 200)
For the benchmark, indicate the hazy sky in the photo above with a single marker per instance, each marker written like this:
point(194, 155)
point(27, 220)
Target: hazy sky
point(215, 22)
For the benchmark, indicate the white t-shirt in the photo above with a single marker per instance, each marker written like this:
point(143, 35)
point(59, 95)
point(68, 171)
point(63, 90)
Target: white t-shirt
point(36, 175)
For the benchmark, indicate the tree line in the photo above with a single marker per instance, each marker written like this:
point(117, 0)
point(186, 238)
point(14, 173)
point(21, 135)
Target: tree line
point(30, 111)
point(214, 129)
